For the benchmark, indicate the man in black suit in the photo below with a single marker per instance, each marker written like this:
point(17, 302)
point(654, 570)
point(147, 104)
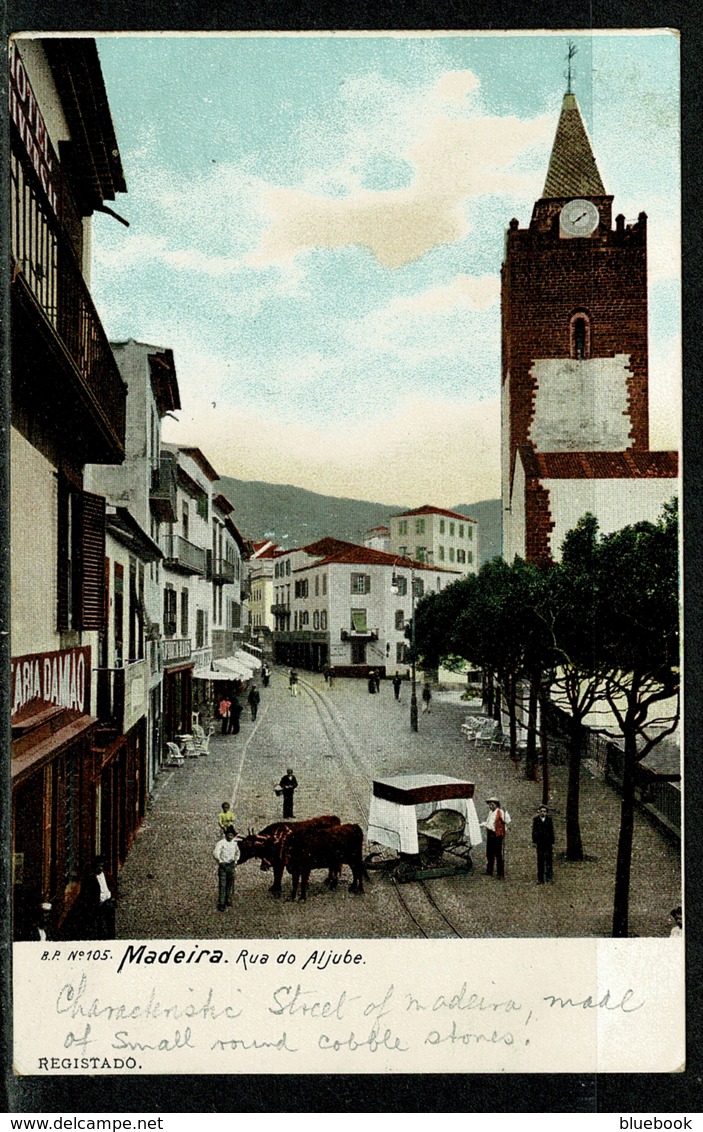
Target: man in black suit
point(543, 840)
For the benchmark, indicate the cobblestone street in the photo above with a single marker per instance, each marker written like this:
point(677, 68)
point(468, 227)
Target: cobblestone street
point(337, 740)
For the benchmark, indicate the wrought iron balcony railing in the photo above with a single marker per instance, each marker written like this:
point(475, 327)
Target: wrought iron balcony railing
point(185, 556)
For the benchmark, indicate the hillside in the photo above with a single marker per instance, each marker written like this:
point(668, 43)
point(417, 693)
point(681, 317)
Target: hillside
point(292, 516)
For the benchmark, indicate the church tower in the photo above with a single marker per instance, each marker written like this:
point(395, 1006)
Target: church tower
point(574, 352)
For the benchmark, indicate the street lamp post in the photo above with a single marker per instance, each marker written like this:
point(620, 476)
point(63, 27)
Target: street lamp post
point(413, 689)
point(413, 678)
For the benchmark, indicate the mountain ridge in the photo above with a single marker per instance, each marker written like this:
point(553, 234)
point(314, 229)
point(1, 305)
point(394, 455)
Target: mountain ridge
point(294, 516)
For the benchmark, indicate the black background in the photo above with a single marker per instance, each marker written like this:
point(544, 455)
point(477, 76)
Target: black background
point(499, 1093)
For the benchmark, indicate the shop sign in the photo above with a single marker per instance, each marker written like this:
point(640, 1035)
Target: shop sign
point(27, 116)
point(50, 679)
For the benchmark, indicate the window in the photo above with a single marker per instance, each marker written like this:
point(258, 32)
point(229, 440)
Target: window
point(441, 554)
point(470, 532)
point(235, 615)
point(451, 553)
point(184, 613)
point(403, 527)
point(301, 588)
point(461, 556)
point(452, 528)
point(316, 619)
point(420, 552)
point(400, 649)
point(323, 619)
point(295, 621)
point(136, 610)
point(358, 621)
point(317, 585)
point(324, 584)
point(288, 566)
point(401, 585)
point(170, 598)
point(419, 526)
point(400, 619)
point(200, 628)
point(304, 618)
point(201, 506)
point(185, 519)
point(419, 587)
point(441, 526)
point(118, 614)
point(403, 551)
point(461, 530)
point(361, 583)
point(580, 335)
point(469, 556)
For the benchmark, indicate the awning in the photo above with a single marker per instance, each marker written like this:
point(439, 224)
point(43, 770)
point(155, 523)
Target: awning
point(247, 660)
point(359, 621)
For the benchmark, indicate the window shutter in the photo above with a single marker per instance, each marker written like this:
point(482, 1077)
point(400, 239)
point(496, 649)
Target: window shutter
point(92, 561)
point(62, 589)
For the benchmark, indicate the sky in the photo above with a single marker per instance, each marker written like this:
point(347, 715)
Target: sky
point(317, 227)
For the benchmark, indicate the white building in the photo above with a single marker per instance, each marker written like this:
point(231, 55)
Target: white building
point(261, 594)
point(438, 537)
point(347, 606)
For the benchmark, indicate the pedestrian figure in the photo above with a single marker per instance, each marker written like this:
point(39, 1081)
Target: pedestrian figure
point(225, 818)
point(293, 682)
point(98, 897)
point(287, 787)
point(496, 825)
point(426, 698)
point(226, 853)
point(677, 916)
point(326, 673)
point(397, 684)
point(234, 713)
point(223, 709)
point(543, 840)
point(40, 929)
point(265, 675)
point(254, 700)
point(372, 682)
point(377, 680)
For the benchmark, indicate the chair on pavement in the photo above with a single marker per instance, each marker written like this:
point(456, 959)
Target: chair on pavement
point(198, 732)
point(203, 746)
point(175, 755)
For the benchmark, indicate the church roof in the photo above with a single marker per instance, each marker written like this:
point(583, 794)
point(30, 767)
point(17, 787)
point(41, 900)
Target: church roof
point(572, 167)
point(632, 464)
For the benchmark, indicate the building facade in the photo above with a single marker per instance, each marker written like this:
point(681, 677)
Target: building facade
point(438, 537)
point(68, 410)
point(575, 394)
point(347, 606)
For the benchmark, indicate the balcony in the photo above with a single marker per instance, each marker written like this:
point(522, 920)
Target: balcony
point(359, 634)
point(202, 658)
point(280, 609)
point(62, 364)
point(163, 497)
point(184, 556)
point(111, 698)
point(222, 570)
point(175, 649)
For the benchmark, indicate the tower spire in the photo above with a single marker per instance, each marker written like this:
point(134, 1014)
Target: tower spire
point(571, 50)
point(572, 167)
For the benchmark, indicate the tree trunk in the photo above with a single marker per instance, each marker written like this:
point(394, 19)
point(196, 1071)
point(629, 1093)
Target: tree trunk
point(621, 905)
point(488, 691)
point(544, 747)
point(574, 845)
point(531, 750)
point(511, 690)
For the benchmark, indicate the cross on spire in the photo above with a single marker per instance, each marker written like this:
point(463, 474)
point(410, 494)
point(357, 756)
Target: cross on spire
point(571, 50)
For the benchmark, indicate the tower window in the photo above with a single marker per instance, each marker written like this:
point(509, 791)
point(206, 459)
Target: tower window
point(580, 336)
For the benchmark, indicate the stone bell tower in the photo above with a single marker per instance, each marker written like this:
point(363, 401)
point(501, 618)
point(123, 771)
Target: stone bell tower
point(574, 350)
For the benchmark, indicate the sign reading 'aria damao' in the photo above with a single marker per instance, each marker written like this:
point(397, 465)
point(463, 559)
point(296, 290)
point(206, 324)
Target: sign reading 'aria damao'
point(53, 679)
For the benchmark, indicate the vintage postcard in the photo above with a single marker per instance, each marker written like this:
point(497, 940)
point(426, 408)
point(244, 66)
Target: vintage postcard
point(345, 553)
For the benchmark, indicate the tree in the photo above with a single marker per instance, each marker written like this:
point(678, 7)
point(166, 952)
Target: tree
point(573, 611)
point(638, 571)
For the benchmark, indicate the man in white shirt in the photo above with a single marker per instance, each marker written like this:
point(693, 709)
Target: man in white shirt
point(226, 854)
point(496, 825)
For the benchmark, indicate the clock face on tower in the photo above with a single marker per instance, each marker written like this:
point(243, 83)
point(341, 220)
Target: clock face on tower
point(579, 218)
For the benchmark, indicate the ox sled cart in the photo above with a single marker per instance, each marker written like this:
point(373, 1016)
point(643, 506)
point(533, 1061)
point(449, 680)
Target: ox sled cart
point(424, 826)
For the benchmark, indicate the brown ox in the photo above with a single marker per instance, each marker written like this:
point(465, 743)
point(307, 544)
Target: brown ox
point(269, 845)
point(324, 848)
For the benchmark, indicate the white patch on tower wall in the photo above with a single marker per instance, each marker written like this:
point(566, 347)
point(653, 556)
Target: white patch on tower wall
point(581, 406)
